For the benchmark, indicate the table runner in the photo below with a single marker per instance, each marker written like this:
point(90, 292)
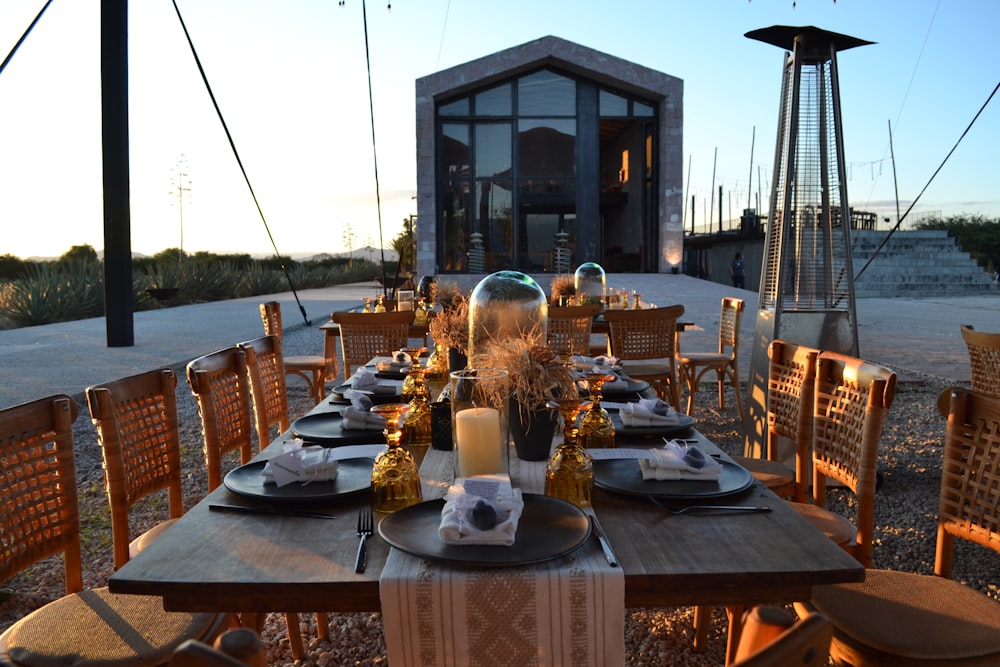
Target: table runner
point(565, 612)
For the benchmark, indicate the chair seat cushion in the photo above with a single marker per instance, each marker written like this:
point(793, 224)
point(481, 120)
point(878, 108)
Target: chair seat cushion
point(704, 359)
point(769, 473)
point(918, 617)
point(305, 362)
point(97, 627)
point(643, 370)
point(833, 525)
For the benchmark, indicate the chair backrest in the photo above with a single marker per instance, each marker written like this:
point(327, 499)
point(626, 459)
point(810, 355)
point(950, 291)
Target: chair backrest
point(220, 383)
point(270, 314)
point(136, 422)
point(969, 506)
point(266, 370)
point(791, 386)
point(39, 511)
point(772, 638)
point(850, 407)
point(984, 359)
point(643, 334)
point(729, 326)
point(367, 335)
point(569, 327)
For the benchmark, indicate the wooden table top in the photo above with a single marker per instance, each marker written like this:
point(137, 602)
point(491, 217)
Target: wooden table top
point(221, 561)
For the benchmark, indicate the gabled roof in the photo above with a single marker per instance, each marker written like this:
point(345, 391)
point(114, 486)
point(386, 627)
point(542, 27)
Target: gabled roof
point(552, 52)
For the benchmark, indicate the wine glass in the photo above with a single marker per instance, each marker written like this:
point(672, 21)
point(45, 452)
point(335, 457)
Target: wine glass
point(410, 383)
point(395, 479)
point(570, 474)
point(417, 422)
point(596, 429)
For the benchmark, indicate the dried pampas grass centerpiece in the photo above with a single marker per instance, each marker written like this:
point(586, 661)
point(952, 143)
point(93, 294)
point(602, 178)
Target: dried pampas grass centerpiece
point(537, 373)
point(450, 326)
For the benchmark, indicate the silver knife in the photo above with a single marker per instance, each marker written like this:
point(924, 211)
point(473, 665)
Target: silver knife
point(605, 545)
point(267, 510)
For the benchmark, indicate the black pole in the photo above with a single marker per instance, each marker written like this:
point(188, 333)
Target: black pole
point(114, 127)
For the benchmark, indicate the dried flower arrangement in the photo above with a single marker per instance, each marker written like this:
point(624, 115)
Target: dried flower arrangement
point(562, 285)
point(448, 293)
point(450, 326)
point(537, 373)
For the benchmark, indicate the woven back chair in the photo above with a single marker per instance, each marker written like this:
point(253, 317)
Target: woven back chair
point(984, 359)
point(136, 422)
point(852, 400)
point(648, 336)
point(265, 368)
point(725, 362)
point(569, 328)
point(902, 618)
point(367, 335)
point(220, 383)
point(40, 518)
point(316, 370)
point(773, 638)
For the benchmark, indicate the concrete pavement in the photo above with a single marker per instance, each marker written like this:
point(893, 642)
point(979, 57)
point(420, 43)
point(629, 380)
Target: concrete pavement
point(919, 336)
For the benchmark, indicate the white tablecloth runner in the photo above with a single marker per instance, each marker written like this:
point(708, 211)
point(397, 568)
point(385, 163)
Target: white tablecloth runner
point(566, 612)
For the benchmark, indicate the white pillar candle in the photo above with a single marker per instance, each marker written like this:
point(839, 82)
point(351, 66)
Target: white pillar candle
point(477, 440)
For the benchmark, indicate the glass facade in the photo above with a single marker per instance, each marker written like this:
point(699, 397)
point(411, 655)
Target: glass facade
point(510, 171)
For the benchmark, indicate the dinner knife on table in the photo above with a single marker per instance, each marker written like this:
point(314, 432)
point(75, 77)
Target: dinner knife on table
point(269, 510)
point(609, 555)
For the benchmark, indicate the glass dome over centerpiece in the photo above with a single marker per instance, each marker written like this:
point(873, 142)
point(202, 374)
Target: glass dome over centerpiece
point(590, 283)
point(505, 304)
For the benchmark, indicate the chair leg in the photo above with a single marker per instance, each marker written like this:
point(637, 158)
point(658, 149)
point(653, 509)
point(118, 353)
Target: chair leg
point(735, 613)
point(322, 625)
point(702, 621)
point(295, 636)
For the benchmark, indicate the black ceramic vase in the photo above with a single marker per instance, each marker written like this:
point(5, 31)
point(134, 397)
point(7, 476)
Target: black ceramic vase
point(532, 432)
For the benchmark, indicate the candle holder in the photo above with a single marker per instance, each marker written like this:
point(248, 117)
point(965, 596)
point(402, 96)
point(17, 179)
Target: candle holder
point(395, 479)
point(596, 429)
point(368, 305)
point(569, 474)
point(479, 421)
point(409, 387)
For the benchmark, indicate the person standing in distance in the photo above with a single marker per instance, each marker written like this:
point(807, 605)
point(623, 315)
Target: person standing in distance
point(737, 272)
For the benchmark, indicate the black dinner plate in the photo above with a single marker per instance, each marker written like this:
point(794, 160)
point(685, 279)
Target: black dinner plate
point(549, 528)
point(631, 391)
point(683, 425)
point(383, 394)
point(327, 429)
point(624, 476)
point(353, 476)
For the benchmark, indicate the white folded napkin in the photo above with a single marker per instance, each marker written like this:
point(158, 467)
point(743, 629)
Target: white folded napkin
point(615, 385)
point(364, 380)
point(481, 510)
point(401, 357)
point(601, 362)
point(679, 461)
point(301, 464)
point(648, 412)
point(358, 419)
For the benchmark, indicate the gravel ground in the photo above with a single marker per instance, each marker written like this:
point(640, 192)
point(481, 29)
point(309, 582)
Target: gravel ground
point(906, 508)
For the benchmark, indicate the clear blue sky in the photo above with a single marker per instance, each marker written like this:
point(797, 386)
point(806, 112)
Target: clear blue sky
point(290, 78)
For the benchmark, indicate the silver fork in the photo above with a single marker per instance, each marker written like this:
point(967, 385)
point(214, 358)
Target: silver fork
point(708, 508)
point(366, 526)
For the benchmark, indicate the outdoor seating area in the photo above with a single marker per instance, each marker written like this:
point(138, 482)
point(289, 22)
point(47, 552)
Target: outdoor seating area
point(272, 552)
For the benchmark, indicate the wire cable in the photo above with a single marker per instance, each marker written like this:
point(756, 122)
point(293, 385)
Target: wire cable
point(24, 36)
point(232, 144)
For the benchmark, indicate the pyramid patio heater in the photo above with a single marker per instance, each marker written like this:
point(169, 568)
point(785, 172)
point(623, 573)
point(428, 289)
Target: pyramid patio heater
point(807, 283)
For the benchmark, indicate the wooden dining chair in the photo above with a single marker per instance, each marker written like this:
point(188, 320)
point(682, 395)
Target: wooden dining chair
point(265, 368)
point(367, 335)
point(233, 648)
point(850, 406)
point(984, 359)
point(225, 384)
point(316, 370)
point(39, 519)
point(645, 343)
point(774, 638)
point(725, 362)
point(902, 618)
point(136, 422)
point(569, 328)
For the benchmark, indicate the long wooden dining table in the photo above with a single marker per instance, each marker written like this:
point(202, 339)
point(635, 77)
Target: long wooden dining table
point(236, 562)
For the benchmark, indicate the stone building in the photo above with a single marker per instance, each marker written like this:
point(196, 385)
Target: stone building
point(547, 155)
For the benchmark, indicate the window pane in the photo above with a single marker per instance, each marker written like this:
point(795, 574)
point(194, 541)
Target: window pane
point(493, 150)
point(547, 147)
point(455, 149)
point(456, 108)
point(613, 105)
point(493, 203)
point(642, 110)
point(494, 102)
point(546, 93)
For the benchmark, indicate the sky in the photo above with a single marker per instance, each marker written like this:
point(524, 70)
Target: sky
point(291, 80)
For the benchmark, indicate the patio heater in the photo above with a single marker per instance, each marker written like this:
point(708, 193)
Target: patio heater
point(807, 283)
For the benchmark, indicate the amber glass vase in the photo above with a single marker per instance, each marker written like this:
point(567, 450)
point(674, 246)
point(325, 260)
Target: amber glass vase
point(570, 473)
point(395, 479)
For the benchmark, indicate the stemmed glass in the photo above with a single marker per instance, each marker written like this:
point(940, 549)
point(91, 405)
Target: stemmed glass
point(596, 429)
point(410, 383)
point(570, 473)
point(395, 479)
point(417, 423)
